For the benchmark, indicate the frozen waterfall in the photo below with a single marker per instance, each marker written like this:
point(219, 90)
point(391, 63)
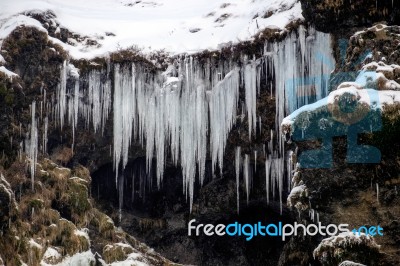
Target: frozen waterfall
point(176, 114)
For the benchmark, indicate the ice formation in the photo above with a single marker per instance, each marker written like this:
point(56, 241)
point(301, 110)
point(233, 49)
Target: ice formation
point(252, 83)
point(174, 113)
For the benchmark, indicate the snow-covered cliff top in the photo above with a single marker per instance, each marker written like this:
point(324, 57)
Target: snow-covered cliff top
point(174, 25)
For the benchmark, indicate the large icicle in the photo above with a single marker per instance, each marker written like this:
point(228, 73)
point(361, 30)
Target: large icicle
point(62, 94)
point(31, 145)
point(124, 110)
point(223, 106)
point(251, 84)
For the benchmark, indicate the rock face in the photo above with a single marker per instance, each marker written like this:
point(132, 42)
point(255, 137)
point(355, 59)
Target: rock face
point(57, 222)
point(356, 193)
point(8, 205)
point(341, 15)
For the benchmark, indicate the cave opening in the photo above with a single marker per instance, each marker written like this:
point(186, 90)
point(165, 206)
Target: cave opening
point(159, 217)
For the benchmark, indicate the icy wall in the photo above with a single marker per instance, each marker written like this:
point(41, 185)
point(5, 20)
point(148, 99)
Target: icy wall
point(190, 108)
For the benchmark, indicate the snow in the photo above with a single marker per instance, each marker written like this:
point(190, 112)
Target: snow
point(78, 179)
point(10, 19)
point(78, 259)
point(2, 60)
point(50, 255)
point(295, 193)
point(7, 72)
point(174, 25)
point(132, 259)
point(33, 244)
point(83, 232)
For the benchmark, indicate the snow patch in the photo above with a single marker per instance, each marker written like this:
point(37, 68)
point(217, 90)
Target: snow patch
point(34, 244)
point(7, 72)
point(51, 256)
point(78, 259)
point(295, 194)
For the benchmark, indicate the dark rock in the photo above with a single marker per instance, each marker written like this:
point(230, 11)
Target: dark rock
point(339, 16)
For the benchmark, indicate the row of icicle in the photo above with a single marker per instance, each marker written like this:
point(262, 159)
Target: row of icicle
point(173, 113)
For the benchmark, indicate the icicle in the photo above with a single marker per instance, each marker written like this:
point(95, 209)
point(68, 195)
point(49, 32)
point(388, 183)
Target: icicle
point(75, 109)
point(377, 192)
point(237, 168)
point(223, 105)
point(255, 161)
point(21, 148)
point(41, 110)
point(32, 147)
point(62, 94)
point(160, 111)
point(311, 214)
point(251, 77)
point(267, 177)
point(246, 171)
point(120, 196)
point(124, 107)
point(46, 125)
point(289, 169)
point(300, 66)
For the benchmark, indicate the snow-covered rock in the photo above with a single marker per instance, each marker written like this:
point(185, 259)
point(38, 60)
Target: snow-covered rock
point(295, 197)
point(175, 25)
point(350, 263)
point(336, 246)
